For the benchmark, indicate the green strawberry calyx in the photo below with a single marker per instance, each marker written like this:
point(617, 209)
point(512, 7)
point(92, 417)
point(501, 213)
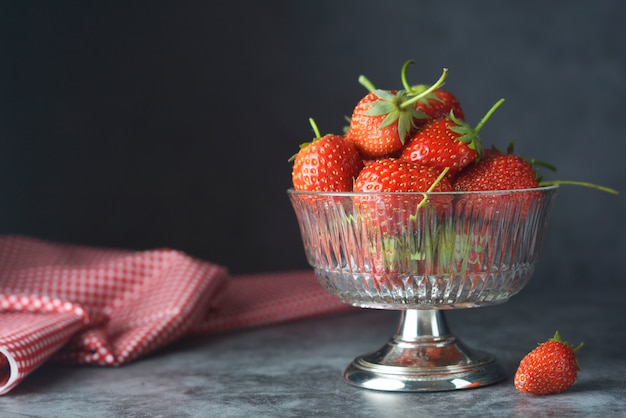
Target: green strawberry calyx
point(397, 107)
point(468, 134)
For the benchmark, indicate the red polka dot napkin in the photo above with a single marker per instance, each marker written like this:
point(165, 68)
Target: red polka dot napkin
point(107, 307)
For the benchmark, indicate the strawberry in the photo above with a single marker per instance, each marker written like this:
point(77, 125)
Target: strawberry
point(391, 212)
point(447, 142)
point(497, 171)
point(391, 175)
point(373, 134)
point(507, 171)
point(382, 120)
point(552, 367)
point(439, 103)
point(327, 164)
point(436, 145)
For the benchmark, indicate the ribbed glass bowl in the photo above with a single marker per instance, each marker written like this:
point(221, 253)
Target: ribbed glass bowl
point(421, 254)
point(423, 251)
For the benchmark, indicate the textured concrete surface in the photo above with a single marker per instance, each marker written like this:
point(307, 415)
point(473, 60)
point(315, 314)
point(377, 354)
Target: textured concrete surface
point(295, 370)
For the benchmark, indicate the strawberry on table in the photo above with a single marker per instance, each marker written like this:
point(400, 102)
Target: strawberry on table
point(550, 368)
point(447, 143)
point(383, 120)
point(329, 163)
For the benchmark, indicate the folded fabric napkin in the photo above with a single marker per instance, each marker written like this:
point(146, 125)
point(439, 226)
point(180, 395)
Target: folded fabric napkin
point(85, 305)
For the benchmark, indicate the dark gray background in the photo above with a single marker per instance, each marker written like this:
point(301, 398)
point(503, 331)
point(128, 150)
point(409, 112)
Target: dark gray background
point(169, 123)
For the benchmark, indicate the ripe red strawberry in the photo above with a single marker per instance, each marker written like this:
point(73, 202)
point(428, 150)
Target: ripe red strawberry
point(552, 367)
point(447, 142)
point(437, 105)
point(327, 164)
point(391, 175)
point(500, 171)
point(437, 145)
point(391, 212)
point(497, 171)
point(378, 126)
point(383, 120)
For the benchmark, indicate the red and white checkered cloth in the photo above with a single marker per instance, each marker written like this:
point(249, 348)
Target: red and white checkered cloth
point(107, 307)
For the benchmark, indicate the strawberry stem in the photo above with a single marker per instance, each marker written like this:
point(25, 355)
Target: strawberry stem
point(432, 187)
point(488, 115)
point(416, 89)
point(316, 130)
point(579, 183)
point(405, 83)
point(365, 82)
point(426, 92)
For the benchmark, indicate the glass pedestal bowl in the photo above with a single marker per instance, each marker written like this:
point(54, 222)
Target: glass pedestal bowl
point(422, 254)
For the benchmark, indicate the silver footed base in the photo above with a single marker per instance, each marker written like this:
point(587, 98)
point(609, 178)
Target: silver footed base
point(423, 356)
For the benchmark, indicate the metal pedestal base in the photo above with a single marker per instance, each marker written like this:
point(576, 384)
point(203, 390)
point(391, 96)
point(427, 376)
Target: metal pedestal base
point(423, 356)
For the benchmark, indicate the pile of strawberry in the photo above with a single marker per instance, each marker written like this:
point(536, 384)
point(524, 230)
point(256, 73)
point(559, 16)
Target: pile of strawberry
point(413, 139)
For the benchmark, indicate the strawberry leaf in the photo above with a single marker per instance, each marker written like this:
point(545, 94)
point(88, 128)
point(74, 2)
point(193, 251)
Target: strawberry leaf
point(380, 107)
point(385, 95)
point(390, 106)
point(467, 134)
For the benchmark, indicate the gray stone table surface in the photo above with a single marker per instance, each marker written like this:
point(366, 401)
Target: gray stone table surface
point(295, 369)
